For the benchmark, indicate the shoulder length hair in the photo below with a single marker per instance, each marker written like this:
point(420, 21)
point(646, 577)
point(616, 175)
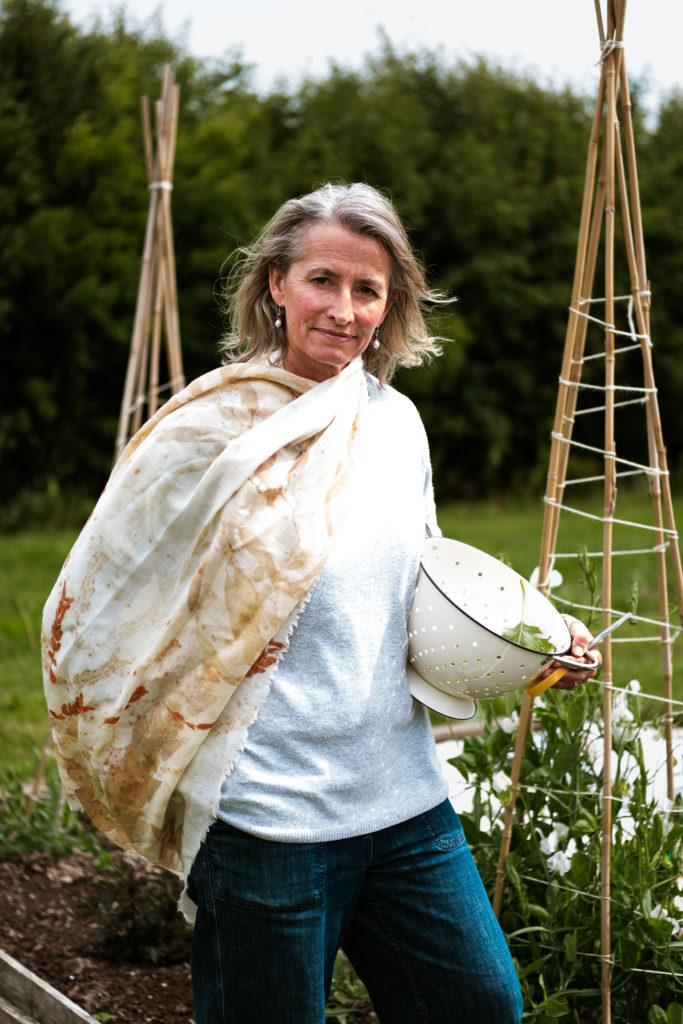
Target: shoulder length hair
point(404, 337)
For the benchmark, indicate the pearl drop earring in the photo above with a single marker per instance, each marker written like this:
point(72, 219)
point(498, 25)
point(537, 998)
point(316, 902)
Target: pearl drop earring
point(278, 318)
point(375, 340)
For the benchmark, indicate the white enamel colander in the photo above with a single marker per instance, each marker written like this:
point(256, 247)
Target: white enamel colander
point(463, 603)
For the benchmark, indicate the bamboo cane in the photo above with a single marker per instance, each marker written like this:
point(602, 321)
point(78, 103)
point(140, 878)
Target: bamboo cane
point(157, 301)
point(586, 258)
point(575, 325)
point(635, 251)
point(140, 325)
point(520, 740)
point(610, 497)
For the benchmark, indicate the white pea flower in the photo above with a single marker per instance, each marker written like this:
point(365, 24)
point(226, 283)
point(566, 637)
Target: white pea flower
point(510, 723)
point(500, 782)
point(559, 862)
point(623, 726)
point(549, 844)
point(554, 578)
point(494, 805)
point(634, 686)
point(678, 902)
point(593, 749)
point(664, 806)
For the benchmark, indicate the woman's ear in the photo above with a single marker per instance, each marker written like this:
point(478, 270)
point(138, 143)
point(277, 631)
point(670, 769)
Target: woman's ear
point(389, 304)
point(276, 280)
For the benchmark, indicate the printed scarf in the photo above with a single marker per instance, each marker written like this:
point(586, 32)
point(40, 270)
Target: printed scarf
point(165, 625)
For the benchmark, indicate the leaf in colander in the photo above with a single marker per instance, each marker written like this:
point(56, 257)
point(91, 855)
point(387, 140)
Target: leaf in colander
point(530, 637)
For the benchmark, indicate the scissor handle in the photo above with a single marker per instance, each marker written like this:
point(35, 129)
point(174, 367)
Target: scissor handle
point(564, 663)
point(569, 662)
point(541, 685)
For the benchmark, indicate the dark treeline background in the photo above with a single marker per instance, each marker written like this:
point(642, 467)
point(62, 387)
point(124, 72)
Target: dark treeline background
point(485, 167)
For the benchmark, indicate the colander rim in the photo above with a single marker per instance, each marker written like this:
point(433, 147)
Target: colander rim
point(545, 655)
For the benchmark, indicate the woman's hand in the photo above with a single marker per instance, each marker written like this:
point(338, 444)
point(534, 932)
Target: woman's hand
point(574, 677)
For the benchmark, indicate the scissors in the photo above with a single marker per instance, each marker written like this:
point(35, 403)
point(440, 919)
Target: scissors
point(541, 685)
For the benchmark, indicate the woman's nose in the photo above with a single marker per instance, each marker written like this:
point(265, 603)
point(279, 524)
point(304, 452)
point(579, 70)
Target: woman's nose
point(341, 306)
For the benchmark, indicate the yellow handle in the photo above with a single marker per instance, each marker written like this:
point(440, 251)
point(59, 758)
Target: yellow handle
point(538, 687)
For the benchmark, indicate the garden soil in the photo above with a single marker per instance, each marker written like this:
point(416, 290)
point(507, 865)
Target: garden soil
point(48, 924)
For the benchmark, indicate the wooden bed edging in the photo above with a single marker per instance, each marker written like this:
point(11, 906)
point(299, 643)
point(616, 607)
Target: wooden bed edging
point(27, 999)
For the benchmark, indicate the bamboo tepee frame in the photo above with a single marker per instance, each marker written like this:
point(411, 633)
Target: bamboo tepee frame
point(611, 188)
point(157, 300)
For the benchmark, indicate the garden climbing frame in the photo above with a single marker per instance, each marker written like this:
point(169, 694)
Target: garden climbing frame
point(607, 349)
point(156, 309)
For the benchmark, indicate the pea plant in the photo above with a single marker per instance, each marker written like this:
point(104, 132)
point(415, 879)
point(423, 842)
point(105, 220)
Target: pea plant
point(551, 901)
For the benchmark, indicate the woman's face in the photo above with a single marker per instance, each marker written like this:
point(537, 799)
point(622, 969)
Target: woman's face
point(334, 295)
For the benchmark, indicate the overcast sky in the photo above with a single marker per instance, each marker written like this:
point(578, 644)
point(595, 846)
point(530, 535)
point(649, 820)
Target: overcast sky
point(554, 39)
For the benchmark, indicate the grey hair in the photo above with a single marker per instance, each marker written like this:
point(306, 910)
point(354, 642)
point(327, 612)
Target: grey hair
point(404, 338)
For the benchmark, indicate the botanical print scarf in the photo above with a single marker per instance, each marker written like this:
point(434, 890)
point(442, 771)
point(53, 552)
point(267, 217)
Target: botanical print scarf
point(168, 617)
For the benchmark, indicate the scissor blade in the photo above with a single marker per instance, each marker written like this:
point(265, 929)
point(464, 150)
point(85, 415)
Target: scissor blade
point(608, 629)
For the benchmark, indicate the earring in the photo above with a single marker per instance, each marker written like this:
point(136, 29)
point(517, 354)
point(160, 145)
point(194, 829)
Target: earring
point(279, 317)
point(375, 340)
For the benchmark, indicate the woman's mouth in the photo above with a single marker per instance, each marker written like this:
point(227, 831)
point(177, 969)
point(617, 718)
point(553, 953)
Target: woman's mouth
point(335, 335)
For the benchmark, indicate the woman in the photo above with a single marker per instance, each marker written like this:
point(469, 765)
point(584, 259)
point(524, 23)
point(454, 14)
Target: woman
point(265, 744)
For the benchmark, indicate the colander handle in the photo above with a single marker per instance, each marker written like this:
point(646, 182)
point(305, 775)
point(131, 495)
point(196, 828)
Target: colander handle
point(564, 665)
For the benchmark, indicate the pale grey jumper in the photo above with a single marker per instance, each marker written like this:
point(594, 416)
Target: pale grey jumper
point(339, 747)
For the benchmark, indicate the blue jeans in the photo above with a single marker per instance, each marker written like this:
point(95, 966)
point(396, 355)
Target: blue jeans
point(405, 903)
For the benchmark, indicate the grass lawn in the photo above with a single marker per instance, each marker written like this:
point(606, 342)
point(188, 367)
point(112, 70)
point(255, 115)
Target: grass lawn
point(29, 566)
point(30, 563)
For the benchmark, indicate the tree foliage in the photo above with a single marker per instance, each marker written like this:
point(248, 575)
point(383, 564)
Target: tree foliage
point(485, 167)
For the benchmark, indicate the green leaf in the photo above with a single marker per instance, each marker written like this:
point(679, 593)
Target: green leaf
point(566, 757)
point(628, 953)
point(530, 637)
point(536, 910)
point(587, 824)
point(646, 902)
point(556, 1007)
point(661, 927)
point(656, 1015)
point(580, 871)
point(656, 835)
point(570, 946)
point(577, 711)
point(674, 1013)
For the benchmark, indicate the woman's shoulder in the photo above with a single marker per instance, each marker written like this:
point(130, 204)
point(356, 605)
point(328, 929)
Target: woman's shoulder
point(399, 418)
point(391, 398)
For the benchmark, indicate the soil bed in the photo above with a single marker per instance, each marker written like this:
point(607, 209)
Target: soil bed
point(46, 926)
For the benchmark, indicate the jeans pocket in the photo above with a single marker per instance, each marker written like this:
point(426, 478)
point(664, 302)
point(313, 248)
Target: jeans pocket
point(245, 871)
point(444, 827)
